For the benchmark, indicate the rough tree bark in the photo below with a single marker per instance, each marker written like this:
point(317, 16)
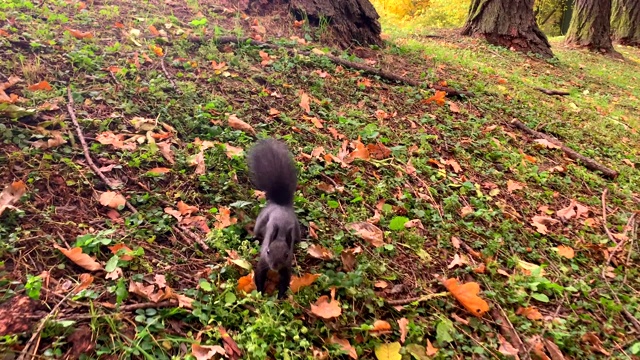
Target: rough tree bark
point(590, 26)
point(509, 23)
point(351, 22)
point(625, 22)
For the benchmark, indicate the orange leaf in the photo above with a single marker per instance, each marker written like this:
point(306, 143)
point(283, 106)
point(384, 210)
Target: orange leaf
point(298, 283)
point(79, 258)
point(85, 281)
point(186, 209)
point(530, 313)
point(378, 151)
point(546, 143)
point(319, 252)
point(346, 346)
point(304, 103)
point(431, 350)
point(438, 98)
point(565, 251)
point(112, 199)
point(336, 135)
point(79, 34)
point(42, 85)
point(114, 250)
point(298, 23)
point(4, 33)
point(369, 232)
point(454, 165)
point(467, 295)
point(514, 185)
point(159, 170)
point(153, 30)
point(361, 152)
point(402, 323)
point(11, 193)
point(467, 210)
point(246, 283)
point(224, 219)
point(119, 25)
point(327, 309)
point(157, 50)
point(380, 327)
point(238, 124)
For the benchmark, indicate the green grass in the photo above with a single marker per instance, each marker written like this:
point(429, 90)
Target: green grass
point(598, 119)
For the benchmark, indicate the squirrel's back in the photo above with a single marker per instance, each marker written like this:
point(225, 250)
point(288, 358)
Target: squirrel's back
point(273, 171)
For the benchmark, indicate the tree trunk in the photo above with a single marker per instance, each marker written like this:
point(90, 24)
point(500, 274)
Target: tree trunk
point(566, 17)
point(625, 22)
point(349, 22)
point(509, 23)
point(590, 26)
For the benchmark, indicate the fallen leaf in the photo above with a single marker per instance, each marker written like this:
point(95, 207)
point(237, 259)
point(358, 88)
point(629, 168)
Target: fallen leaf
point(458, 261)
point(402, 324)
point(173, 212)
point(198, 161)
point(165, 150)
point(160, 280)
point(546, 144)
point(42, 85)
point(79, 258)
point(319, 252)
point(246, 283)
point(156, 50)
point(514, 185)
point(454, 165)
point(328, 188)
point(417, 223)
point(367, 231)
point(380, 327)
point(85, 281)
point(431, 350)
point(467, 295)
point(11, 193)
point(153, 30)
point(304, 103)
point(112, 199)
point(115, 248)
point(335, 134)
point(206, 352)
point(453, 107)
point(506, 348)
point(467, 210)
point(186, 209)
point(230, 345)
point(388, 351)
point(346, 346)
point(360, 152)
point(298, 283)
point(530, 312)
point(566, 251)
point(327, 309)
point(537, 348)
point(596, 343)
point(238, 124)
point(139, 289)
point(438, 98)
point(233, 151)
point(160, 170)
point(379, 151)
point(348, 258)
point(223, 218)
point(79, 34)
point(553, 350)
point(381, 284)
point(541, 223)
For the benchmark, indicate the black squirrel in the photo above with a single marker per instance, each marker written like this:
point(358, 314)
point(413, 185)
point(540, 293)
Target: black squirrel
point(273, 171)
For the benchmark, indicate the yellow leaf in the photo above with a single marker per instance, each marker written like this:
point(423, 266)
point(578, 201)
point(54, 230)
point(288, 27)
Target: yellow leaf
point(467, 295)
point(112, 199)
point(388, 351)
point(79, 258)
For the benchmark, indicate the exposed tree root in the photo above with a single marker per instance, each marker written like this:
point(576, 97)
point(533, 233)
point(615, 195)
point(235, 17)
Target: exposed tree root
point(553, 92)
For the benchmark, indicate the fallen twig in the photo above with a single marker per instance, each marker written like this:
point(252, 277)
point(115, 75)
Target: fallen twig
point(25, 351)
point(85, 148)
point(572, 154)
point(367, 69)
point(416, 299)
point(608, 232)
point(553, 92)
point(509, 332)
point(166, 73)
point(147, 305)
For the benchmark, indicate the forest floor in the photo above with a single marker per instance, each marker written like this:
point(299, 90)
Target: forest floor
point(401, 190)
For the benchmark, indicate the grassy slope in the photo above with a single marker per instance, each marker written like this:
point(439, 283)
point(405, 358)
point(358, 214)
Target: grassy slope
point(599, 119)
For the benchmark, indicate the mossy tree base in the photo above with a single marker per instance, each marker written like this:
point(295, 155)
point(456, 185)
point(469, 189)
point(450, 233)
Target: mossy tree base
point(590, 26)
point(625, 22)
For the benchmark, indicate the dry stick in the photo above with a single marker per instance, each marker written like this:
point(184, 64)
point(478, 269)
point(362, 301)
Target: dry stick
point(572, 154)
point(85, 149)
point(625, 312)
point(508, 331)
point(166, 73)
point(553, 92)
point(416, 299)
point(367, 69)
point(36, 333)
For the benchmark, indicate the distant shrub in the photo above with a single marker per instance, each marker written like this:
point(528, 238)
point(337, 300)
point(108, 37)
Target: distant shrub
point(423, 13)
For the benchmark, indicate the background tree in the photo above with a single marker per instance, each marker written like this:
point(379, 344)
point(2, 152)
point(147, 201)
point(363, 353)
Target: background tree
point(590, 25)
point(625, 22)
point(509, 23)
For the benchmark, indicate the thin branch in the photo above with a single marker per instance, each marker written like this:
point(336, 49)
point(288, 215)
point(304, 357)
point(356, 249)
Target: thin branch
point(553, 92)
point(166, 73)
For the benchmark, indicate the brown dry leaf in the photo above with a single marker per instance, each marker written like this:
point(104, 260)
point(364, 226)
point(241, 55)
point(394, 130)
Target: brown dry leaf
point(139, 289)
point(467, 295)
point(85, 280)
point(480, 269)
point(117, 141)
point(223, 218)
point(566, 251)
point(455, 241)
point(11, 194)
point(346, 346)
point(453, 107)
point(233, 151)
point(42, 85)
point(173, 212)
point(186, 209)
point(319, 252)
point(360, 152)
point(55, 140)
point(160, 280)
point(417, 223)
point(230, 345)
point(380, 327)
point(381, 284)
point(553, 350)
point(454, 165)
point(79, 258)
point(378, 151)
point(530, 312)
point(327, 309)
point(431, 350)
point(367, 231)
point(438, 98)
point(165, 150)
point(596, 343)
point(328, 188)
point(537, 347)
point(198, 161)
point(546, 144)
point(298, 283)
point(304, 102)
point(79, 34)
point(506, 348)
point(206, 352)
point(348, 258)
point(467, 210)
point(238, 124)
point(114, 250)
point(160, 170)
point(266, 59)
point(335, 134)
point(112, 199)
point(246, 283)
point(514, 185)
point(541, 223)
point(274, 112)
point(458, 261)
point(402, 323)
point(4, 98)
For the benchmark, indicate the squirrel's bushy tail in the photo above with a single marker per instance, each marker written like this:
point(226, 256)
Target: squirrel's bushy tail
point(273, 171)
